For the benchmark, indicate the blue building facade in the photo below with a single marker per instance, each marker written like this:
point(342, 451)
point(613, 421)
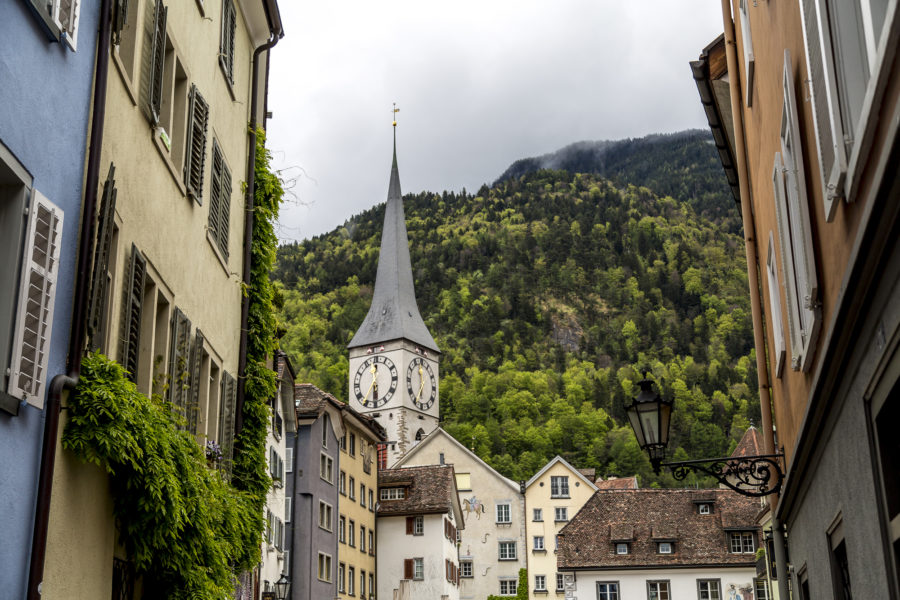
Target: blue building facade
point(47, 60)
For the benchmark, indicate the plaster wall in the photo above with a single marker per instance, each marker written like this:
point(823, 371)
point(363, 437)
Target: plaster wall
point(272, 563)
point(394, 546)
point(45, 92)
point(682, 582)
point(482, 534)
point(538, 495)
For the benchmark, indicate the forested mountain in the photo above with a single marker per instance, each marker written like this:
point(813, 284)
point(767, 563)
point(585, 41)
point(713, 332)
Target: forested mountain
point(548, 294)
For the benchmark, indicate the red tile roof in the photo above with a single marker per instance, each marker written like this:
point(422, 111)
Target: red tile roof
point(430, 489)
point(618, 483)
point(751, 444)
point(647, 516)
point(311, 400)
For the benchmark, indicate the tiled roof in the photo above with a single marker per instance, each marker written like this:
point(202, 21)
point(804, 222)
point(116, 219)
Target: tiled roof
point(751, 444)
point(311, 400)
point(589, 473)
point(371, 424)
point(618, 483)
point(430, 489)
point(648, 516)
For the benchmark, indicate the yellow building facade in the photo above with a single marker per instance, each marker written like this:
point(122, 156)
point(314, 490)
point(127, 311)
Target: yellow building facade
point(358, 495)
point(552, 497)
point(171, 221)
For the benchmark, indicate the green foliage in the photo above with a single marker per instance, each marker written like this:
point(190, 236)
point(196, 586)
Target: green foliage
point(521, 590)
point(548, 295)
point(186, 529)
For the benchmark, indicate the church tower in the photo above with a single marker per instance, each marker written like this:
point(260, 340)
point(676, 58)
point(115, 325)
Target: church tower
point(393, 357)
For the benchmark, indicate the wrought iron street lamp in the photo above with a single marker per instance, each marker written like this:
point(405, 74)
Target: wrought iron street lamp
point(282, 587)
point(650, 416)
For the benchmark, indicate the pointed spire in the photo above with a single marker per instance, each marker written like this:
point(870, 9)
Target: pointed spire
point(394, 313)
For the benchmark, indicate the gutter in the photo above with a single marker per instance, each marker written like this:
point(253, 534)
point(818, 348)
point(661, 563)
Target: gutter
point(78, 333)
point(276, 31)
point(765, 399)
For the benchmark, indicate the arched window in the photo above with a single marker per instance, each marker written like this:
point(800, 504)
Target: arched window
point(420, 434)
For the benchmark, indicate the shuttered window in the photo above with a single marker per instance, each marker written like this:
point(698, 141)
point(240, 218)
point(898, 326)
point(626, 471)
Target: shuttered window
point(157, 61)
point(795, 239)
point(134, 297)
point(747, 49)
point(195, 148)
point(226, 44)
point(37, 296)
point(219, 200)
point(179, 365)
point(100, 270)
point(197, 354)
point(228, 401)
point(775, 312)
point(119, 20)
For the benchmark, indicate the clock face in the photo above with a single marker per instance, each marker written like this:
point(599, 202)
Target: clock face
point(375, 381)
point(421, 383)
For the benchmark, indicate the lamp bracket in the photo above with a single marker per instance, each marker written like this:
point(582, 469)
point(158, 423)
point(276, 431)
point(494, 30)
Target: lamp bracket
point(755, 476)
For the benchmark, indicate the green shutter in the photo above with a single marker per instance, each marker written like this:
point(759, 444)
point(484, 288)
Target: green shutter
point(198, 119)
point(134, 298)
point(158, 58)
point(196, 363)
point(179, 367)
point(97, 302)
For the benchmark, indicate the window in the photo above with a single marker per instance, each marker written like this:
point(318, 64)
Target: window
point(105, 253)
point(362, 584)
point(749, 60)
point(371, 584)
point(418, 525)
point(351, 581)
point(352, 444)
point(326, 468)
point(775, 312)
point(288, 460)
point(607, 590)
point(362, 538)
point(343, 442)
point(372, 542)
point(560, 513)
point(362, 494)
point(539, 543)
point(157, 58)
point(342, 482)
point(195, 144)
point(226, 42)
point(708, 589)
point(840, 566)
point(220, 215)
point(664, 547)
point(325, 422)
point(393, 493)
point(287, 509)
point(540, 583)
point(61, 18)
point(371, 500)
point(560, 582)
point(761, 588)
point(507, 550)
point(556, 543)
point(537, 514)
point(508, 587)
point(842, 40)
point(342, 529)
point(742, 542)
point(658, 590)
point(29, 293)
point(324, 572)
point(351, 533)
point(414, 568)
point(503, 513)
point(559, 486)
point(464, 482)
point(351, 486)
point(704, 509)
point(341, 577)
point(792, 214)
point(465, 568)
point(325, 515)
point(622, 548)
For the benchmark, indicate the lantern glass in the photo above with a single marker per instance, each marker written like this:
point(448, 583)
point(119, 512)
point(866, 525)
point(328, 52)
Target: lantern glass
point(650, 416)
point(282, 586)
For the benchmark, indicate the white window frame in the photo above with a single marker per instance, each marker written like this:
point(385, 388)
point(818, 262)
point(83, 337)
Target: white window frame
point(664, 548)
point(540, 583)
point(67, 22)
point(538, 514)
point(342, 529)
point(539, 542)
point(557, 483)
point(324, 567)
point(778, 350)
point(351, 580)
point(761, 588)
point(509, 587)
point(709, 589)
point(326, 468)
point(503, 513)
point(288, 460)
point(749, 58)
point(287, 509)
point(663, 590)
point(792, 214)
point(418, 568)
point(342, 576)
point(392, 493)
point(419, 525)
point(465, 568)
point(560, 582)
point(560, 514)
point(622, 548)
point(326, 516)
point(610, 590)
point(704, 508)
point(506, 550)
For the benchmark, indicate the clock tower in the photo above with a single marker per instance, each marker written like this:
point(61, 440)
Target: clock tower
point(393, 357)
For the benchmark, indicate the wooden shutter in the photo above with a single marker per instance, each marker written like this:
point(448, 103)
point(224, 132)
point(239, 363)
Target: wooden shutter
point(220, 200)
point(157, 60)
point(408, 569)
point(198, 119)
point(228, 401)
point(134, 297)
point(825, 104)
point(224, 210)
point(119, 19)
point(410, 525)
point(105, 225)
point(226, 45)
point(179, 364)
point(195, 383)
point(775, 307)
point(37, 296)
point(66, 16)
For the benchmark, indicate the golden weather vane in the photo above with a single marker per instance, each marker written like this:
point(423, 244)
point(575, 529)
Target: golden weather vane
point(395, 111)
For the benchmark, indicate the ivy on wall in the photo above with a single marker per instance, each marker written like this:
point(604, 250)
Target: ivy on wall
point(521, 588)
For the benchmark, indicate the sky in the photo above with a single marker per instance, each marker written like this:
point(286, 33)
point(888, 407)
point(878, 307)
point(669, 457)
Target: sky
point(479, 84)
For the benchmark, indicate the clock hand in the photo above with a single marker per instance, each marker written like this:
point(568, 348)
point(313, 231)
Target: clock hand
point(421, 385)
point(374, 371)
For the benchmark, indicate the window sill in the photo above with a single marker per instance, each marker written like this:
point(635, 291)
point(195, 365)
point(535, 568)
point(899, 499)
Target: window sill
point(123, 74)
point(566, 497)
point(560, 520)
point(508, 559)
point(165, 155)
point(215, 248)
point(503, 523)
point(227, 81)
point(540, 591)
point(539, 551)
point(537, 520)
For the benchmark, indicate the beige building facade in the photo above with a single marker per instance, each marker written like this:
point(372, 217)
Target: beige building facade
point(553, 496)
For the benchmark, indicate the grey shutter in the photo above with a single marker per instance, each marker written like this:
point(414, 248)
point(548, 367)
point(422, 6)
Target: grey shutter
point(220, 200)
point(226, 419)
point(179, 365)
point(158, 58)
point(215, 189)
point(198, 119)
point(194, 400)
point(224, 209)
point(37, 297)
point(134, 297)
point(97, 303)
point(226, 45)
point(823, 91)
point(119, 19)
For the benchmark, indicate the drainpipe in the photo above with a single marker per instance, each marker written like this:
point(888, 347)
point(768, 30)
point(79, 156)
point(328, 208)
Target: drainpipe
point(78, 332)
point(276, 33)
point(765, 399)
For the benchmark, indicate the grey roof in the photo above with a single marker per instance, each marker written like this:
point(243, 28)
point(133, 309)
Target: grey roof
point(394, 313)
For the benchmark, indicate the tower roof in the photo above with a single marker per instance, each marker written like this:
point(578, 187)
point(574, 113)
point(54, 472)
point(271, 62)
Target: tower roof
point(394, 313)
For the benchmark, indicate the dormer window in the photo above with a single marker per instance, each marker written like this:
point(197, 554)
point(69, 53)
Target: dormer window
point(664, 548)
point(704, 508)
point(393, 493)
point(622, 548)
point(742, 542)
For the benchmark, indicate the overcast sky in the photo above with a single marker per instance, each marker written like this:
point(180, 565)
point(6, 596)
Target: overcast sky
point(479, 84)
